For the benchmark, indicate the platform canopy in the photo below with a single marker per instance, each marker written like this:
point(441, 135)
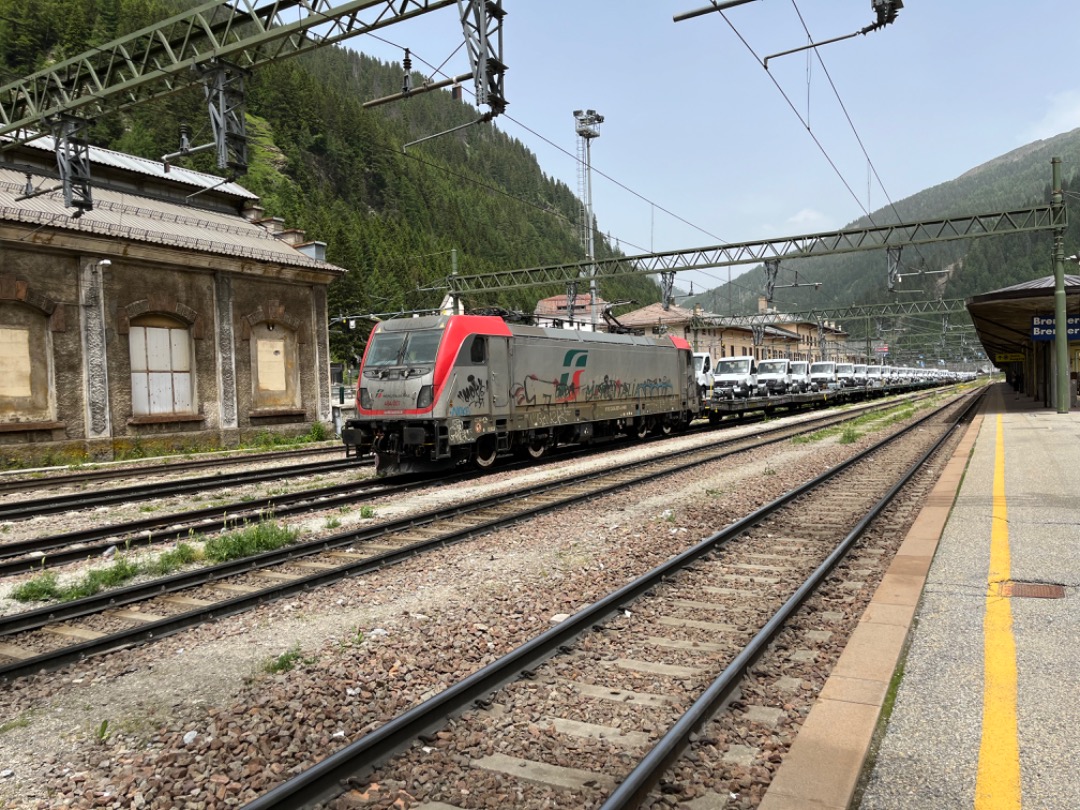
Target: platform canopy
point(1002, 318)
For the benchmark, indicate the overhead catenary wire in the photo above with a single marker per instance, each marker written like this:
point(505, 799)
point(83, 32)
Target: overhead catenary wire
point(854, 130)
point(438, 70)
point(623, 241)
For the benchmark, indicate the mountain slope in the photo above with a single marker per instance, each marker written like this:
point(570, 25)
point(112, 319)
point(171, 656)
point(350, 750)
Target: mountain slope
point(1018, 179)
point(395, 219)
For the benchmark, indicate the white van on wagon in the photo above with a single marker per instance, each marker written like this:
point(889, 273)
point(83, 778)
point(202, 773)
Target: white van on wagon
point(734, 377)
point(774, 377)
point(823, 376)
point(800, 376)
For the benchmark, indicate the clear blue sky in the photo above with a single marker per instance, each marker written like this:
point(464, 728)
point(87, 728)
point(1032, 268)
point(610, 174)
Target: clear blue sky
point(695, 125)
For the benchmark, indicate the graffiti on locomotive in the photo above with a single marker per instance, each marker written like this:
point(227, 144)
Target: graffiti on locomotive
point(447, 390)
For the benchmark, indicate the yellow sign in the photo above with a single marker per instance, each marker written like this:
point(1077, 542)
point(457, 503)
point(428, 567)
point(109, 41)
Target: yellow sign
point(1009, 357)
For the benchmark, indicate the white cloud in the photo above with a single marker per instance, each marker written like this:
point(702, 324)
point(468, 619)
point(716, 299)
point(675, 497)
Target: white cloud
point(808, 220)
point(1063, 115)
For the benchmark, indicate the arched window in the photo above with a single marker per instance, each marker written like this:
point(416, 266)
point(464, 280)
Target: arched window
point(161, 372)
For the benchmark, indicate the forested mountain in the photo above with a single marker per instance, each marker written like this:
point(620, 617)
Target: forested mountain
point(1019, 179)
point(325, 164)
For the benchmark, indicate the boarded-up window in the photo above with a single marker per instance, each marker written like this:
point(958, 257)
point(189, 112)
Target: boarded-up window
point(271, 364)
point(275, 368)
point(160, 370)
point(15, 369)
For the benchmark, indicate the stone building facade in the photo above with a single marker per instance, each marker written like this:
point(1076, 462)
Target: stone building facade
point(173, 315)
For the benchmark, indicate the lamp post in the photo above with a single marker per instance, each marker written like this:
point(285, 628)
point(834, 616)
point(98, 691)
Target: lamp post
point(588, 127)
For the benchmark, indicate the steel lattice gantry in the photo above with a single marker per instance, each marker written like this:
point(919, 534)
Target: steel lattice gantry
point(215, 44)
point(896, 309)
point(158, 60)
point(792, 247)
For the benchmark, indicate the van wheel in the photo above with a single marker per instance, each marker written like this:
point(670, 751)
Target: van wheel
point(487, 450)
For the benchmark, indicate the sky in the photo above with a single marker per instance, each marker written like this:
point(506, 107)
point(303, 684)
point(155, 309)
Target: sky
point(700, 147)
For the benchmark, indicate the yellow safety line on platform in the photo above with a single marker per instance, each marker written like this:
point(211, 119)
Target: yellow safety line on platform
point(998, 783)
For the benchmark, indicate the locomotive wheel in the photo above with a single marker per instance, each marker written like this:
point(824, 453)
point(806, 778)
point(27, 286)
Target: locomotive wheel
point(537, 449)
point(486, 452)
point(642, 428)
point(663, 429)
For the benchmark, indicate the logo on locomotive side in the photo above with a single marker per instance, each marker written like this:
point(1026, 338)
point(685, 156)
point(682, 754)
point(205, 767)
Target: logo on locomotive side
point(570, 382)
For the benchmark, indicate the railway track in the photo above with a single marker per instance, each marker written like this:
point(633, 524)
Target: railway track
point(23, 508)
point(51, 551)
point(21, 481)
point(598, 710)
point(55, 635)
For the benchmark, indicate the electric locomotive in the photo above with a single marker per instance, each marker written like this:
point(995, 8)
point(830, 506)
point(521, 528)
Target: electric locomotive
point(442, 390)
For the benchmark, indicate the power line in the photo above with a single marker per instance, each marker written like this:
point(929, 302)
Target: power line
point(855, 132)
point(438, 71)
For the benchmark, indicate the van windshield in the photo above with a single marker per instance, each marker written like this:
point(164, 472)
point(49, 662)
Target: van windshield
point(822, 368)
point(733, 365)
point(772, 367)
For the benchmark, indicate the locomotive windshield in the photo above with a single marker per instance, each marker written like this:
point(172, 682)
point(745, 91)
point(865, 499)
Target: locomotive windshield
point(403, 348)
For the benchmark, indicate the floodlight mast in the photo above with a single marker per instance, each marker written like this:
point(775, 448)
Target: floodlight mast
point(588, 127)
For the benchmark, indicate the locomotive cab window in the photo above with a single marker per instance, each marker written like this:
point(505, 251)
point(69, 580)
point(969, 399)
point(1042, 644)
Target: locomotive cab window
point(478, 351)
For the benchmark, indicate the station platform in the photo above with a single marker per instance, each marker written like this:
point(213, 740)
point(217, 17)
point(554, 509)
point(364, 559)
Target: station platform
point(959, 688)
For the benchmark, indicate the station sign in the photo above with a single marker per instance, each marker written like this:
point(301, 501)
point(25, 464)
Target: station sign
point(1042, 327)
point(882, 349)
point(1009, 357)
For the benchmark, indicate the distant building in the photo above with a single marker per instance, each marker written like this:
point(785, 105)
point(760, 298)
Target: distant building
point(171, 315)
point(728, 336)
point(555, 311)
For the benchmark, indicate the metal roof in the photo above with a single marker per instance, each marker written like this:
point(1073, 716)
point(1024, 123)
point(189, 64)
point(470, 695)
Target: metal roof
point(1002, 318)
point(151, 168)
point(125, 215)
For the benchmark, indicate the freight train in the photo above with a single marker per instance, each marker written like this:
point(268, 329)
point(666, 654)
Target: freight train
point(439, 391)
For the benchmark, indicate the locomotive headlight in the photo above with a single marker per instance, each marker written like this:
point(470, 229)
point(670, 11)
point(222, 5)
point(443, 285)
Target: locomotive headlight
point(425, 397)
point(365, 399)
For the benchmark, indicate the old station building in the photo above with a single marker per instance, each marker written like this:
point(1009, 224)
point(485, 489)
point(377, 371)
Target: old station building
point(173, 314)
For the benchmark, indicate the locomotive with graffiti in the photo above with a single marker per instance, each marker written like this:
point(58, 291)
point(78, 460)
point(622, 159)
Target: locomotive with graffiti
point(442, 390)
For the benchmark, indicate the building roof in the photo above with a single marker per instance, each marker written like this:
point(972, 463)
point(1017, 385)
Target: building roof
point(150, 168)
point(1002, 318)
point(555, 306)
point(126, 215)
point(654, 315)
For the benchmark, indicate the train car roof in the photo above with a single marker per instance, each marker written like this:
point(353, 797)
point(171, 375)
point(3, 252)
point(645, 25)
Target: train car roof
point(494, 325)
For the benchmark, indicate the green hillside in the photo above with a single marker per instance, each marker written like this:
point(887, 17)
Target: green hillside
point(1019, 179)
point(325, 164)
